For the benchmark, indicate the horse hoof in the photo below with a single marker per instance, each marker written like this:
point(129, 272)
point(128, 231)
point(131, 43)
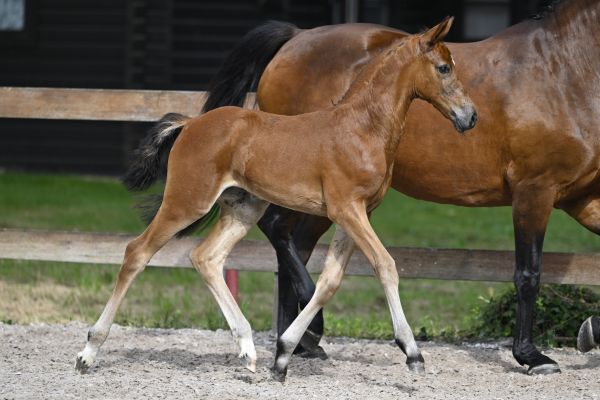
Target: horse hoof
point(279, 375)
point(249, 362)
point(416, 367)
point(585, 338)
point(544, 369)
point(310, 341)
point(316, 352)
point(81, 364)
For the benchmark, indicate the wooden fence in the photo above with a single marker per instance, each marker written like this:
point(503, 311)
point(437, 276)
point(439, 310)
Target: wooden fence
point(145, 105)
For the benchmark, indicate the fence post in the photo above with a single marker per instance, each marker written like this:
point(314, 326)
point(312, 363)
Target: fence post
point(231, 278)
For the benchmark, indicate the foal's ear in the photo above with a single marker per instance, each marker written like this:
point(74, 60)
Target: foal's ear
point(436, 34)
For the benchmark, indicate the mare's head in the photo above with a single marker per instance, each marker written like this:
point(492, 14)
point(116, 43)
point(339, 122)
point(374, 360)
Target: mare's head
point(435, 78)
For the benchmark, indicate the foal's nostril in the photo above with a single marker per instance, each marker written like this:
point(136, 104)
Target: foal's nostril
point(452, 114)
point(473, 119)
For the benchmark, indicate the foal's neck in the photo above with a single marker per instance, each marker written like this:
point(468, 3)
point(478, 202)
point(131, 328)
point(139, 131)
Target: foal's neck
point(380, 96)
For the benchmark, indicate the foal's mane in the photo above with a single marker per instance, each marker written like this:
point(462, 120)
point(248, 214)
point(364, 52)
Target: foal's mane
point(370, 71)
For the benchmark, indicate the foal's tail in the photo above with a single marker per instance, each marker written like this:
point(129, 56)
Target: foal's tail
point(150, 159)
point(150, 164)
point(243, 67)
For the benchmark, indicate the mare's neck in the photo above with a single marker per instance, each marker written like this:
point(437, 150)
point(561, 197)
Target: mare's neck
point(574, 25)
point(380, 96)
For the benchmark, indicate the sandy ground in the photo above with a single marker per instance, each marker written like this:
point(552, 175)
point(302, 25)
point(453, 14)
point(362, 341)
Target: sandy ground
point(37, 361)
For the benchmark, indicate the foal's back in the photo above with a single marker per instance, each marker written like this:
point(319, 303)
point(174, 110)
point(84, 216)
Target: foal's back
point(284, 159)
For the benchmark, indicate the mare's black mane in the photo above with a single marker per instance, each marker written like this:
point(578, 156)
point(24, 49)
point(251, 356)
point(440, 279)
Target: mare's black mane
point(547, 9)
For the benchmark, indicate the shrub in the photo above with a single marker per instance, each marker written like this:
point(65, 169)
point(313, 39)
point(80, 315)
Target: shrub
point(560, 310)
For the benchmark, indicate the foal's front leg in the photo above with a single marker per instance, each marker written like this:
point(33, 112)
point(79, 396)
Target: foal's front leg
point(355, 221)
point(339, 253)
point(295, 285)
point(239, 212)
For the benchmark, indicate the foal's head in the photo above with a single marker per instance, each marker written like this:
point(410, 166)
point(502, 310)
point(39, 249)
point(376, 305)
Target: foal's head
point(436, 80)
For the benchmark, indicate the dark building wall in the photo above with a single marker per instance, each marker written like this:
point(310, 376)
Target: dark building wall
point(69, 43)
point(149, 44)
point(156, 44)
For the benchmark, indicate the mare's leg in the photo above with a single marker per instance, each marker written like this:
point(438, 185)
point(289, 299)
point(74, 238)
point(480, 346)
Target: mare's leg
point(531, 210)
point(353, 220)
point(306, 234)
point(239, 212)
point(586, 211)
point(139, 251)
point(589, 334)
point(294, 282)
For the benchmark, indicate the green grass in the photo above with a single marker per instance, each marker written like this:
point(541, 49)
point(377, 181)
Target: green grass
point(54, 292)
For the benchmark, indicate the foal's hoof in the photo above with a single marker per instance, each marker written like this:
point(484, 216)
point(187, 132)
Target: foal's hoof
point(416, 367)
point(586, 337)
point(544, 369)
point(279, 375)
point(249, 362)
point(316, 352)
point(81, 364)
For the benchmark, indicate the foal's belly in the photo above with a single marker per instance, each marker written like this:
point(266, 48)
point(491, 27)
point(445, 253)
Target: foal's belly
point(295, 196)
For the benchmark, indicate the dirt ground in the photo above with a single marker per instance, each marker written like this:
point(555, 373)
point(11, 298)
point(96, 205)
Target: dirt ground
point(37, 361)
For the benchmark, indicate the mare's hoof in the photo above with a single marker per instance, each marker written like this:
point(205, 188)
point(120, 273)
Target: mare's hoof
point(585, 338)
point(81, 365)
point(279, 375)
point(316, 352)
point(544, 369)
point(416, 367)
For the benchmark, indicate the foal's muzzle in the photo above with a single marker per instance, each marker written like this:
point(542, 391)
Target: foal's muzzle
point(467, 119)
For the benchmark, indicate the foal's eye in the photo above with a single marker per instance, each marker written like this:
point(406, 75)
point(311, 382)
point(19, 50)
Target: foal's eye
point(443, 69)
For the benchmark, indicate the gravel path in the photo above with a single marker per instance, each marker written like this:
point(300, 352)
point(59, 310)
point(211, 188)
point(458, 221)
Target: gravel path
point(37, 361)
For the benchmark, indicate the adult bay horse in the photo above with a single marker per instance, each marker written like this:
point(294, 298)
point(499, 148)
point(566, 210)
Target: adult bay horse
point(536, 148)
point(342, 160)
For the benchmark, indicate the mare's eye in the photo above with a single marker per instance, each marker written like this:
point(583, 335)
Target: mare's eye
point(443, 69)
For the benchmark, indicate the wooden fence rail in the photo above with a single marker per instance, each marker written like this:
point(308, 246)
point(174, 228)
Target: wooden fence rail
point(99, 104)
point(478, 265)
point(149, 105)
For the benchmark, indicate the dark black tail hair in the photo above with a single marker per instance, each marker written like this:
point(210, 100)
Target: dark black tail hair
point(243, 67)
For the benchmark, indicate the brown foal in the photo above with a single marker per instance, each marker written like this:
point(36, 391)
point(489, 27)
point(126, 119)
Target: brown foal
point(336, 163)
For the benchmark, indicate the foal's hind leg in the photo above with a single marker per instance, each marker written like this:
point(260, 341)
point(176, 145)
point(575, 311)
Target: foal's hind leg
point(139, 251)
point(239, 212)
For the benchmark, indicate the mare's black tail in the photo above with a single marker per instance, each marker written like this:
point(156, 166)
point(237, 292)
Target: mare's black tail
point(243, 67)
